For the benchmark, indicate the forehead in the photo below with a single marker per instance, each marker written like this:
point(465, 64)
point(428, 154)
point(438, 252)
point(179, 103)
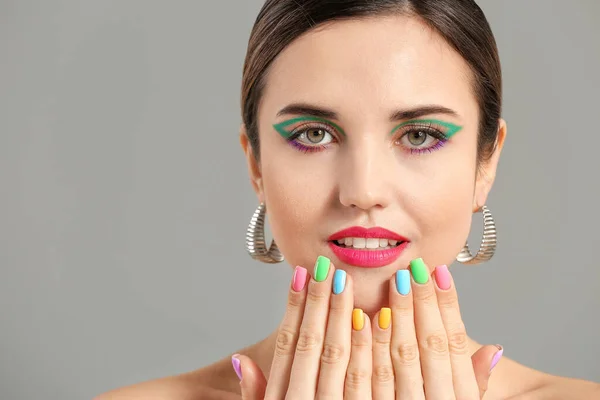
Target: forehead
point(375, 63)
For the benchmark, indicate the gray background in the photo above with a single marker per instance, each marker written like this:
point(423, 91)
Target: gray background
point(124, 194)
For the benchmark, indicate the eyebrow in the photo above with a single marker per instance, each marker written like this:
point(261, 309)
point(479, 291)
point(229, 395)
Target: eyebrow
point(402, 114)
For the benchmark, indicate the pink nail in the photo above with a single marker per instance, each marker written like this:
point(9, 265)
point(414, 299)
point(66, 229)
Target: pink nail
point(299, 279)
point(497, 357)
point(237, 366)
point(442, 277)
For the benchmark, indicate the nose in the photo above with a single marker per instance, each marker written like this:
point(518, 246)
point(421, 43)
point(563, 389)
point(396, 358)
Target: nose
point(365, 180)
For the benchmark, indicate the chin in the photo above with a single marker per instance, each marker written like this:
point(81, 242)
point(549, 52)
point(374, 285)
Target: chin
point(371, 290)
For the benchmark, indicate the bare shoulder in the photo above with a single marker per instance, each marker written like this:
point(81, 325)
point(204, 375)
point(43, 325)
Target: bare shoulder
point(202, 384)
point(559, 388)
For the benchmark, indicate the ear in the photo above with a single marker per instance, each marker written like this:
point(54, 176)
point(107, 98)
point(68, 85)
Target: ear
point(486, 173)
point(253, 165)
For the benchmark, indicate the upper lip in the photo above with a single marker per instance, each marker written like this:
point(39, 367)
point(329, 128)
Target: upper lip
point(361, 232)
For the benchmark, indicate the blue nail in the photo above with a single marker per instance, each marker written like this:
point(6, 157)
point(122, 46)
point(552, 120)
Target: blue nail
point(403, 281)
point(339, 281)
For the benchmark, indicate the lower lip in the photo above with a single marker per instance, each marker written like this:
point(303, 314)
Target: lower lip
point(365, 258)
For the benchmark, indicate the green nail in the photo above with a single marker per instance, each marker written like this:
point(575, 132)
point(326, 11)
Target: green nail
point(321, 268)
point(419, 271)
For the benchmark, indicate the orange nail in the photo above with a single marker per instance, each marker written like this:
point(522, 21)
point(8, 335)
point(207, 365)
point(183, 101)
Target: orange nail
point(385, 316)
point(358, 319)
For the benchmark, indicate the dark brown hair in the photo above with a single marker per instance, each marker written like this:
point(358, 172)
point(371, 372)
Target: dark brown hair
point(461, 22)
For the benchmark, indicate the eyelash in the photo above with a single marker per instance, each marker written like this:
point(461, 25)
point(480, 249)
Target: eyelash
point(427, 128)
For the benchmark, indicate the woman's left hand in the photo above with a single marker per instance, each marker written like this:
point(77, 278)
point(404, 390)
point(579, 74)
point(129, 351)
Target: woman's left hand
point(428, 345)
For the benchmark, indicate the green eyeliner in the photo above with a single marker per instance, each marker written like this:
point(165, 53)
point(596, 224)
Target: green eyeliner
point(280, 127)
point(452, 129)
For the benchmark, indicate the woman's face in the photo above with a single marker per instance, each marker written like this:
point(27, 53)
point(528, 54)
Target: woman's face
point(370, 123)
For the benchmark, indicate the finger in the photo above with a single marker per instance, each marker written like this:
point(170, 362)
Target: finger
point(336, 349)
point(431, 335)
point(463, 376)
point(252, 380)
point(383, 371)
point(404, 346)
point(287, 336)
point(484, 361)
point(305, 367)
point(358, 375)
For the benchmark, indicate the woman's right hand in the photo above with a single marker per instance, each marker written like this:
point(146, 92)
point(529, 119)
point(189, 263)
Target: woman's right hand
point(318, 351)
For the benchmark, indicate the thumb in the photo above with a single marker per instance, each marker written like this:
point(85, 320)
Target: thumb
point(252, 380)
point(484, 360)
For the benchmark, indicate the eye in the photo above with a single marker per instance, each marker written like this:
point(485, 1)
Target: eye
point(421, 138)
point(312, 136)
point(418, 137)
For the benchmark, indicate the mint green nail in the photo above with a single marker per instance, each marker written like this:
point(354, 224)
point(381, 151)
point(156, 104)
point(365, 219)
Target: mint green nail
point(321, 268)
point(419, 271)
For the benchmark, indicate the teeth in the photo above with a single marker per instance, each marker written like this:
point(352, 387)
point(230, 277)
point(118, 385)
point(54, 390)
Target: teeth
point(371, 243)
point(359, 243)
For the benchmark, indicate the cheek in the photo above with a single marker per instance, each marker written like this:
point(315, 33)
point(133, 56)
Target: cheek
point(296, 198)
point(443, 211)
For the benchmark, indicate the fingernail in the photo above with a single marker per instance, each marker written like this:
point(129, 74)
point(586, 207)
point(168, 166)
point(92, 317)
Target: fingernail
point(339, 281)
point(442, 277)
point(237, 365)
point(358, 319)
point(497, 357)
point(385, 316)
point(403, 281)
point(321, 268)
point(419, 271)
point(299, 279)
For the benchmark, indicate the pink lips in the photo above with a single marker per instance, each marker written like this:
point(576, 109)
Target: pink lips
point(367, 258)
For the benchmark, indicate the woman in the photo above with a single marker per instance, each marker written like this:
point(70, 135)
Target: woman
point(372, 131)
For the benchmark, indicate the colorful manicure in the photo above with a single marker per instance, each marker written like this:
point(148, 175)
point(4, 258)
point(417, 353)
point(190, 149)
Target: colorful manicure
point(385, 317)
point(442, 277)
point(237, 367)
point(299, 279)
point(358, 319)
point(497, 357)
point(419, 271)
point(321, 268)
point(339, 281)
point(403, 281)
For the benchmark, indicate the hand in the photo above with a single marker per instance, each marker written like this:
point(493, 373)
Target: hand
point(422, 351)
point(316, 351)
point(428, 345)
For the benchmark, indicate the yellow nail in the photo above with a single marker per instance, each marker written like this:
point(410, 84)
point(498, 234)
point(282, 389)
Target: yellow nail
point(385, 316)
point(358, 319)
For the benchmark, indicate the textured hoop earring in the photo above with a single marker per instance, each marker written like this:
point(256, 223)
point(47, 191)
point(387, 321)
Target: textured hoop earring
point(255, 239)
point(488, 242)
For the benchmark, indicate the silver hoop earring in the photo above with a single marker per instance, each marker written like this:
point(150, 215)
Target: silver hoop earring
point(488, 242)
point(255, 239)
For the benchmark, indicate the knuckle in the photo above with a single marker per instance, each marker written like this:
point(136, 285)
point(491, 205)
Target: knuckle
point(406, 353)
point(295, 302)
point(448, 300)
point(332, 354)
point(381, 341)
point(383, 374)
point(308, 341)
point(436, 344)
point(426, 294)
point(337, 306)
point(284, 344)
point(457, 342)
point(356, 378)
point(402, 310)
point(316, 296)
